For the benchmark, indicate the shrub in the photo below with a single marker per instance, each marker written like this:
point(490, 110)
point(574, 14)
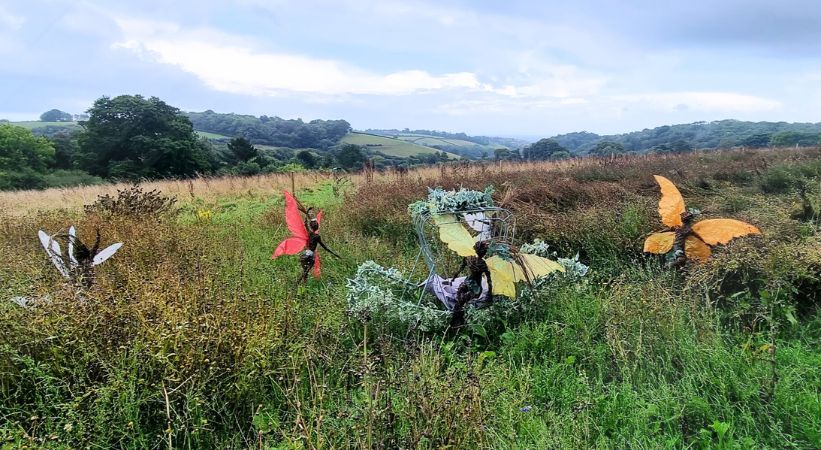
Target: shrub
point(132, 202)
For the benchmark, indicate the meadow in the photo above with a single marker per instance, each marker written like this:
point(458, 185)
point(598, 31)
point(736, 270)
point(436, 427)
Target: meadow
point(192, 337)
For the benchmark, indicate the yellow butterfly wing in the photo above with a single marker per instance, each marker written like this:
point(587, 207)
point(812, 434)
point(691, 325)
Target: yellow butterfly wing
point(454, 234)
point(503, 273)
point(659, 243)
point(722, 231)
point(696, 249)
point(537, 266)
point(671, 204)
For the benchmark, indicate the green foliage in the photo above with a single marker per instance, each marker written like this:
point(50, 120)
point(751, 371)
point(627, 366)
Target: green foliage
point(131, 137)
point(349, 156)
point(307, 159)
point(55, 115)
point(545, 149)
point(607, 148)
point(699, 135)
point(242, 150)
point(19, 149)
point(272, 131)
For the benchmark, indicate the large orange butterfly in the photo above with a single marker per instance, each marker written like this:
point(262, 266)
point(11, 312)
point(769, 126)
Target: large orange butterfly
point(695, 239)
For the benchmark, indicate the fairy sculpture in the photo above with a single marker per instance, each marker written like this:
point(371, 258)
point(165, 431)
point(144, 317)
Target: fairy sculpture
point(78, 262)
point(505, 264)
point(304, 236)
point(687, 240)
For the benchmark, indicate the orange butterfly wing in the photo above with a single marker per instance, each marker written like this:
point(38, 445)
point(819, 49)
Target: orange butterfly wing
point(659, 243)
point(671, 204)
point(722, 231)
point(696, 249)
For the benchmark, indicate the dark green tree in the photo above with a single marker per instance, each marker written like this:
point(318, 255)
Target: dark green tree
point(307, 159)
point(543, 149)
point(607, 148)
point(55, 115)
point(23, 158)
point(242, 150)
point(132, 137)
point(350, 156)
point(65, 150)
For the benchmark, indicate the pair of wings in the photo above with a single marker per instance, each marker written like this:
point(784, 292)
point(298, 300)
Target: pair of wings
point(705, 233)
point(504, 273)
point(298, 239)
point(55, 253)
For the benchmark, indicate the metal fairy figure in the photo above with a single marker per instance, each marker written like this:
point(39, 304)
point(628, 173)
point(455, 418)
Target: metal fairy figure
point(471, 289)
point(304, 236)
point(77, 265)
point(685, 240)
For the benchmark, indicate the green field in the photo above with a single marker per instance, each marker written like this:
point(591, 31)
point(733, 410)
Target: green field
point(430, 141)
point(33, 124)
point(389, 146)
point(214, 136)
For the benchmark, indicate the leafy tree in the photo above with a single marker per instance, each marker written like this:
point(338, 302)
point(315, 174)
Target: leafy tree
point(19, 148)
point(793, 138)
point(273, 131)
point(760, 140)
point(607, 148)
point(23, 158)
point(501, 154)
point(242, 150)
point(55, 115)
point(65, 150)
point(131, 137)
point(350, 156)
point(307, 159)
point(543, 149)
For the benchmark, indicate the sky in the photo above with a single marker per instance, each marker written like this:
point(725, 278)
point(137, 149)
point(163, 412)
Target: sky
point(510, 68)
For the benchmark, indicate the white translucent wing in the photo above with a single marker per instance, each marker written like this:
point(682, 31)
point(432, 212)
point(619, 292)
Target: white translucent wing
point(106, 253)
point(479, 222)
point(72, 235)
point(53, 251)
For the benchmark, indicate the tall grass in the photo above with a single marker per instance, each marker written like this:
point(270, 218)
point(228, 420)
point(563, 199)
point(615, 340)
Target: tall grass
point(193, 338)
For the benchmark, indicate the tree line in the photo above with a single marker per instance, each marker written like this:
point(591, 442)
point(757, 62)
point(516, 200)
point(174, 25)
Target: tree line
point(698, 135)
point(130, 137)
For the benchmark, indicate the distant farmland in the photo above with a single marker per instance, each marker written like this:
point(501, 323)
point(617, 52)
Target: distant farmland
point(390, 146)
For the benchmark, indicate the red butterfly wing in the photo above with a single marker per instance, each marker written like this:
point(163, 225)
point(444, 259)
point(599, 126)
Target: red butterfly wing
point(316, 265)
point(319, 217)
point(293, 219)
point(290, 246)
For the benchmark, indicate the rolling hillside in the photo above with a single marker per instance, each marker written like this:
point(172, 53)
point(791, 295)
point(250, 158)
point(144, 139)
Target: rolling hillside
point(389, 146)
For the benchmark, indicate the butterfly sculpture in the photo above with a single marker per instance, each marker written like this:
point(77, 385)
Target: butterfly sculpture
point(79, 260)
point(304, 236)
point(685, 239)
point(505, 265)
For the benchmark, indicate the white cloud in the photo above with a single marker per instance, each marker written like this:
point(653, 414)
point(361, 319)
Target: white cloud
point(702, 101)
point(231, 64)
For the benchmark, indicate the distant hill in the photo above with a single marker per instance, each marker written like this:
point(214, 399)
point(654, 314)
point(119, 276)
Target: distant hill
point(700, 135)
point(273, 131)
point(48, 129)
point(458, 143)
point(390, 146)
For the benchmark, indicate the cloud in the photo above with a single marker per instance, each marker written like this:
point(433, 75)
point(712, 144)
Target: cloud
point(231, 64)
point(728, 102)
